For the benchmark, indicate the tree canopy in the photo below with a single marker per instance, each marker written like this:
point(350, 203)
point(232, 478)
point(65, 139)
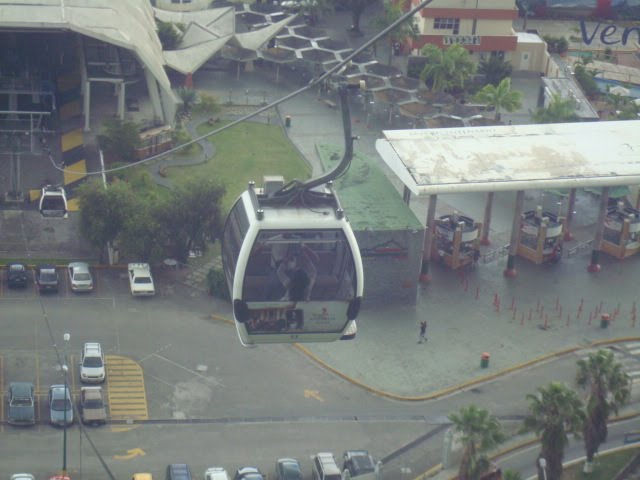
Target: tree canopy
point(446, 69)
point(500, 97)
point(559, 110)
point(392, 12)
point(495, 69)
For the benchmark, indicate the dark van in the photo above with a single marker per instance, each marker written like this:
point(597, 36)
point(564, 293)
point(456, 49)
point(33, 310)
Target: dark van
point(178, 471)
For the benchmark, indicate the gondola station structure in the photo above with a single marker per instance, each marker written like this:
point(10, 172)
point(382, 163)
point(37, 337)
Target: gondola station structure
point(540, 236)
point(457, 240)
point(621, 237)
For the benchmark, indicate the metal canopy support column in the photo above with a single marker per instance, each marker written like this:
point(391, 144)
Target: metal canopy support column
point(428, 240)
point(594, 267)
point(486, 222)
point(510, 271)
point(406, 195)
point(121, 97)
point(154, 94)
point(87, 105)
point(569, 218)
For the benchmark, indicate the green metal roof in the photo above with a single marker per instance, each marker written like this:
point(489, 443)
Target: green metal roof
point(368, 197)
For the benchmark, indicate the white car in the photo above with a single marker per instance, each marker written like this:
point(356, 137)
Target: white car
point(23, 476)
point(80, 277)
point(216, 473)
point(140, 279)
point(92, 364)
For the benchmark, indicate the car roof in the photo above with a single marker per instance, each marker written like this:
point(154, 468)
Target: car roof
point(15, 264)
point(92, 346)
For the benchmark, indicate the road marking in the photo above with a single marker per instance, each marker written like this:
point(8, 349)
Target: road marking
point(632, 345)
point(126, 391)
point(193, 372)
point(634, 374)
point(313, 394)
point(634, 351)
point(73, 375)
point(135, 452)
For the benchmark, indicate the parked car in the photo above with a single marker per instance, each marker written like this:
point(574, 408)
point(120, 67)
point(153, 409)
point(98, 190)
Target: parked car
point(178, 471)
point(216, 473)
point(80, 277)
point(142, 476)
point(358, 463)
point(92, 409)
point(288, 469)
point(47, 278)
point(22, 476)
point(21, 404)
point(92, 368)
point(16, 275)
point(248, 473)
point(60, 405)
point(140, 279)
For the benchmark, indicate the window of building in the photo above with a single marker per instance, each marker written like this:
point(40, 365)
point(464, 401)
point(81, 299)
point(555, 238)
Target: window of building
point(497, 54)
point(447, 24)
point(474, 26)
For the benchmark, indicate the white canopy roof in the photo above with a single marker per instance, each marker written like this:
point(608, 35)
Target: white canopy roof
point(126, 23)
point(484, 159)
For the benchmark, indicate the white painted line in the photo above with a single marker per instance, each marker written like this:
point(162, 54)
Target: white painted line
point(632, 345)
point(635, 351)
point(634, 374)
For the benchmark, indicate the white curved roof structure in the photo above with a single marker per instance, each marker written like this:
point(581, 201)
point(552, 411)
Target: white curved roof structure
point(510, 157)
point(128, 24)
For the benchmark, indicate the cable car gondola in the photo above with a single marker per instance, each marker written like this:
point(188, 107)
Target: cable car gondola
point(292, 262)
point(53, 202)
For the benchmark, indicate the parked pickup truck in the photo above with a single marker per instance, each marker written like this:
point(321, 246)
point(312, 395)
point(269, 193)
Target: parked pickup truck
point(140, 279)
point(92, 409)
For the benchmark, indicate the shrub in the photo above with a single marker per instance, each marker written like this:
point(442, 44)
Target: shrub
point(217, 284)
point(208, 104)
point(556, 44)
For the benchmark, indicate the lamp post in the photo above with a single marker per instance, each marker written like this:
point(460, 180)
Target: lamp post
point(65, 369)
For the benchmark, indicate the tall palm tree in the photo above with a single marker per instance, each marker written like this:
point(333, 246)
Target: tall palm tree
point(608, 388)
point(500, 97)
point(480, 432)
point(559, 110)
point(392, 12)
point(446, 68)
point(554, 413)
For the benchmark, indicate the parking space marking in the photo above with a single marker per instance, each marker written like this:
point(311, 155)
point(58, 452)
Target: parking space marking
point(73, 375)
point(125, 391)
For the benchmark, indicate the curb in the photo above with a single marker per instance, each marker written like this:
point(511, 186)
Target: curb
point(448, 390)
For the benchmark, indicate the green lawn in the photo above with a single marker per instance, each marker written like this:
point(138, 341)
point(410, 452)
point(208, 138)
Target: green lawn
point(606, 468)
point(245, 152)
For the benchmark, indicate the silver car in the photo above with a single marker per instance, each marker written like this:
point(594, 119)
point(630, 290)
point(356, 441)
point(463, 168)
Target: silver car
point(80, 277)
point(60, 405)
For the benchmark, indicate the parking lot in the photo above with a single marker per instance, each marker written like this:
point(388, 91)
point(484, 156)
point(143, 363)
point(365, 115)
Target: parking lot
point(31, 329)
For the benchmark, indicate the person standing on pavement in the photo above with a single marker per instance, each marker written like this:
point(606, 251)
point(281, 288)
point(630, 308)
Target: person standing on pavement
point(423, 331)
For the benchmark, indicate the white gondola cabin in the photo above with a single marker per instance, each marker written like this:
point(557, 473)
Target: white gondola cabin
point(53, 202)
point(294, 270)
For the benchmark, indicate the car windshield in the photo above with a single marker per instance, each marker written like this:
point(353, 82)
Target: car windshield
point(81, 277)
point(17, 268)
point(21, 402)
point(94, 403)
point(48, 276)
point(92, 362)
point(60, 404)
point(143, 280)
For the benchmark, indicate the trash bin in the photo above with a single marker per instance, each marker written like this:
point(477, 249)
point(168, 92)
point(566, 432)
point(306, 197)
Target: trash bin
point(484, 360)
point(287, 121)
point(604, 320)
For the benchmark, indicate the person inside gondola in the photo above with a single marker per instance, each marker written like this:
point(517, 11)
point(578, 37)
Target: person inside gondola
point(297, 273)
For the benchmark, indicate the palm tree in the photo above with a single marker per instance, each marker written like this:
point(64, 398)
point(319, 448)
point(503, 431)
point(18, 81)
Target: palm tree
point(559, 110)
point(495, 69)
point(480, 432)
point(554, 412)
point(446, 68)
point(188, 97)
point(511, 475)
point(608, 388)
point(500, 97)
point(392, 12)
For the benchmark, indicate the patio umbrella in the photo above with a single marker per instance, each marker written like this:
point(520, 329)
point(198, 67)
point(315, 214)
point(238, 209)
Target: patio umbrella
point(417, 109)
point(311, 33)
point(620, 90)
point(293, 43)
point(278, 56)
point(443, 122)
point(252, 19)
point(371, 83)
point(392, 97)
point(335, 45)
point(381, 70)
point(459, 110)
point(438, 99)
point(405, 83)
point(363, 58)
point(318, 56)
point(239, 54)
